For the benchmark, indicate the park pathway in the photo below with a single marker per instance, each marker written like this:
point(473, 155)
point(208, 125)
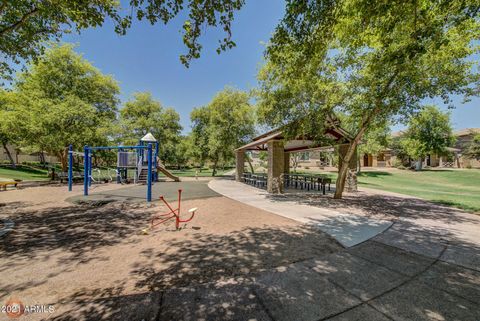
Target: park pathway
point(422, 265)
point(347, 228)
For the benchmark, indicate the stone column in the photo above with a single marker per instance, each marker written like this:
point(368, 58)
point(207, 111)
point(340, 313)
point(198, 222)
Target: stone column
point(286, 162)
point(351, 182)
point(240, 163)
point(275, 166)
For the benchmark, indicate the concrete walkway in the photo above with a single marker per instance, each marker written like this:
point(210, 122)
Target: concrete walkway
point(347, 228)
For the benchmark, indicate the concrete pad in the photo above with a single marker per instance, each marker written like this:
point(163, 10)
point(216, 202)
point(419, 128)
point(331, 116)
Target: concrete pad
point(298, 293)
point(464, 254)
point(348, 229)
point(454, 279)
point(416, 242)
point(391, 257)
point(363, 312)
point(418, 302)
point(212, 302)
point(356, 275)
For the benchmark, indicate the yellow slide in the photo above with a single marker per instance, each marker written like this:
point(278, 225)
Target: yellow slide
point(167, 173)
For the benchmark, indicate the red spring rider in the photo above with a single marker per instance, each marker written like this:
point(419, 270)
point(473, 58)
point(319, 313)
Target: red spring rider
point(174, 213)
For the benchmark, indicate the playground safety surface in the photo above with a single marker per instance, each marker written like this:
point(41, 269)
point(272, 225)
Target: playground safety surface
point(137, 193)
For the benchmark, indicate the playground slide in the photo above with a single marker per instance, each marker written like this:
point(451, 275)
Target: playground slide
point(167, 173)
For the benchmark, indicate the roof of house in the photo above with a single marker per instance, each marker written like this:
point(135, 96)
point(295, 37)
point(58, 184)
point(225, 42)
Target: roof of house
point(466, 131)
point(460, 132)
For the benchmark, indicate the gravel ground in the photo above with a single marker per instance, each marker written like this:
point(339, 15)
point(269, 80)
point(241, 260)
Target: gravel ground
point(84, 257)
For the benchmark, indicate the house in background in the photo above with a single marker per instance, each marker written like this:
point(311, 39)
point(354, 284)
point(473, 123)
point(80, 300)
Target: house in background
point(454, 157)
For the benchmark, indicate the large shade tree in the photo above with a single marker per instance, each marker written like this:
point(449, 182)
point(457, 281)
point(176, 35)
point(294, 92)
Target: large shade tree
point(370, 60)
point(142, 115)
point(61, 100)
point(224, 124)
point(26, 25)
point(429, 132)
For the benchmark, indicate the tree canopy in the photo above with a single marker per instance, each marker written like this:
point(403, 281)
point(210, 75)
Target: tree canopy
point(143, 114)
point(26, 25)
point(429, 132)
point(373, 61)
point(224, 124)
point(62, 99)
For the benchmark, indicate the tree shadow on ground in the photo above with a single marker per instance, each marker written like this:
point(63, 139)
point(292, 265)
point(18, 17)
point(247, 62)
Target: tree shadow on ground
point(211, 257)
point(234, 277)
point(204, 260)
point(375, 204)
point(76, 230)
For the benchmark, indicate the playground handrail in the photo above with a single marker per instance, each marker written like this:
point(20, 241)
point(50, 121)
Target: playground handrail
point(139, 169)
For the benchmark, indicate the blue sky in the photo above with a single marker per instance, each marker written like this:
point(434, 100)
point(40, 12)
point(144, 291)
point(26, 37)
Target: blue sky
point(146, 59)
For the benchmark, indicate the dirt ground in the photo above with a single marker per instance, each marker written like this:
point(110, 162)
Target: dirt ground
point(87, 260)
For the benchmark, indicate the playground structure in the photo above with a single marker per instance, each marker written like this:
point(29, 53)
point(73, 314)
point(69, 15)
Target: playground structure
point(143, 158)
point(174, 213)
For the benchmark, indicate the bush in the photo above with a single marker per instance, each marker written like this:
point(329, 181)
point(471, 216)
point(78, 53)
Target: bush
point(397, 163)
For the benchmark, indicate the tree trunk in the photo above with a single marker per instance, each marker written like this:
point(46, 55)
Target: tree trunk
point(9, 155)
point(63, 155)
point(343, 170)
point(250, 163)
point(42, 159)
point(359, 165)
point(214, 170)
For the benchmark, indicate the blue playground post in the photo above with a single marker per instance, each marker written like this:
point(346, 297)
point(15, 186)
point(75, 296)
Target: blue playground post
point(155, 174)
point(89, 169)
point(149, 177)
point(70, 169)
point(85, 170)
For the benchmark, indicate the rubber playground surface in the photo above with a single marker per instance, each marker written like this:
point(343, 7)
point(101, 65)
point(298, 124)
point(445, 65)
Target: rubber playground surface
point(137, 193)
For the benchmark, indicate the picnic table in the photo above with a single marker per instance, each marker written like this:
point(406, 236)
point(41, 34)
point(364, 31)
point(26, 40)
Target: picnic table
point(76, 176)
point(302, 181)
point(308, 181)
point(258, 180)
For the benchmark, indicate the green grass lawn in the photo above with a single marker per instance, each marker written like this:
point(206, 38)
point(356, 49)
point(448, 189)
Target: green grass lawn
point(23, 173)
point(458, 188)
point(190, 172)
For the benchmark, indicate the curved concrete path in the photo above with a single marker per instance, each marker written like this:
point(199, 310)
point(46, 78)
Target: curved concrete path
point(426, 266)
point(348, 229)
